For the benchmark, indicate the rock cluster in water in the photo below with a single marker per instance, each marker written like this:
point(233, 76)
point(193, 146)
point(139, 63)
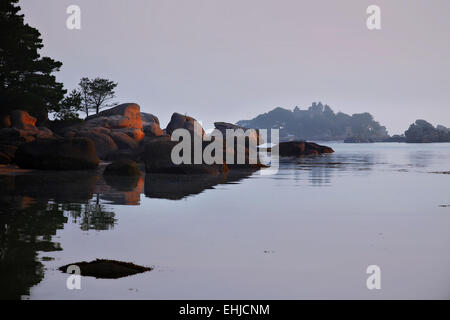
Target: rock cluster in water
point(124, 135)
point(424, 132)
point(302, 148)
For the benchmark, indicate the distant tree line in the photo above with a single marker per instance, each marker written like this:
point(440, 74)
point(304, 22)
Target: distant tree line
point(318, 122)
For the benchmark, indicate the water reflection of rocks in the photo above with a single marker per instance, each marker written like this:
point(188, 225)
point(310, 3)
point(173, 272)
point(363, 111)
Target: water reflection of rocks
point(321, 169)
point(176, 187)
point(33, 206)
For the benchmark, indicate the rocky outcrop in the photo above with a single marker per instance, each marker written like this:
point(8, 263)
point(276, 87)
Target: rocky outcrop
point(123, 140)
point(127, 115)
point(241, 144)
point(179, 121)
point(5, 121)
point(254, 134)
point(19, 128)
point(302, 148)
point(424, 132)
point(104, 144)
point(116, 132)
point(157, 158)
point(22, 120)
point(57, 154)
point(151, 126)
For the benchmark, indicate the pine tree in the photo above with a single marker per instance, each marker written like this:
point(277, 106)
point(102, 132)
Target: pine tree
point(26, 80)
point(96, 94)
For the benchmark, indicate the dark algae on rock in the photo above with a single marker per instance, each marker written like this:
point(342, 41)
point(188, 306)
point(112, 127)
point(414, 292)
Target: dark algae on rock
point(107, 269)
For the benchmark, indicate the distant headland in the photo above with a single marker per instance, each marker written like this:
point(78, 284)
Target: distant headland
point(320, 123)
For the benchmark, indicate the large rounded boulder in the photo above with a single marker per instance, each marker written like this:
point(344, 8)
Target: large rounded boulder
point(116, 132)
point(158, 159)
point(123, 140)
point(58, 154)
point(104, 144)
point(253, 135)
point(127, 115)
point(22, 120)
point(179, 121)
point(151, 125)
point(19, 127)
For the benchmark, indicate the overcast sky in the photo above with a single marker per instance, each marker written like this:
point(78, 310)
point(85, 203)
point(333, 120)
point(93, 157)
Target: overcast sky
point(228, 60)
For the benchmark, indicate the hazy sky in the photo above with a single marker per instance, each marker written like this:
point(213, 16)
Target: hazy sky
point(228, 60)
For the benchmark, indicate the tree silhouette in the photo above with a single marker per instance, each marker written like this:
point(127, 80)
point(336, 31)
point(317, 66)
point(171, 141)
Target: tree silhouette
point(26, 80)
point(70, 106)
point(96, 94)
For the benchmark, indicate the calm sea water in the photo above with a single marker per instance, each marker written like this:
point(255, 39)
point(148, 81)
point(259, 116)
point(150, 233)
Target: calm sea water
point(308, 232)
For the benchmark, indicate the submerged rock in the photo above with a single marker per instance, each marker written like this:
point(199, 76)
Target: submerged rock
point(57, 154)
point(302, 148)
point(107, 269)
